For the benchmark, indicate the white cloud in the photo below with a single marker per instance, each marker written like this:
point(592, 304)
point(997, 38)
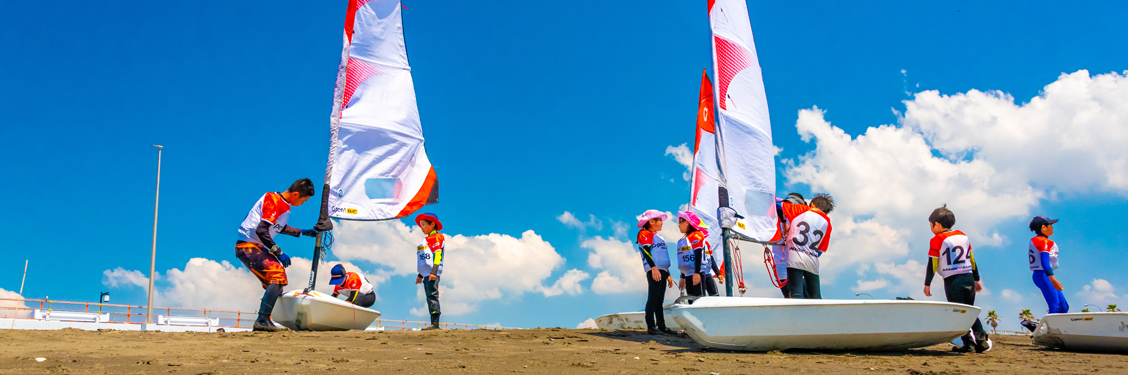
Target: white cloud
point(865, 286)
point(969, 150)
point(588, 324)
point(122, 277)
point(1011, 295)
point(569, 283)
point(684, 156)
point(471, 276)
point(621, 229)
point(1100, 291)
point(8, 306)
point(1080, 120)
point(620, 264)
point(222, 285)
point(570, 220)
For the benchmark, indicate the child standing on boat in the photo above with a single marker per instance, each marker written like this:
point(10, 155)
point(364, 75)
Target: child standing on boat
point(691, 254)
point(950, 255)
point(257, 250)
point(430, 262)
point(807, 239)
point(656, 264)
point(1043, 257)
point(360, 291)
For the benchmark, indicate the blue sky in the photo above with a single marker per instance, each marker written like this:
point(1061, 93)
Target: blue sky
point(530, 109)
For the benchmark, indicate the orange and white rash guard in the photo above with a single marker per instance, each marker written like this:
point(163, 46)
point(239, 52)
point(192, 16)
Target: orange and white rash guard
point(430, 253)
point(354, 281)
point(272, 208)
point(808, 237)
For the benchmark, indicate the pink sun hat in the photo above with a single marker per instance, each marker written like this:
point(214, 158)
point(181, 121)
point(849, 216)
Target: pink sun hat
point(693, 220)
point(651, 214)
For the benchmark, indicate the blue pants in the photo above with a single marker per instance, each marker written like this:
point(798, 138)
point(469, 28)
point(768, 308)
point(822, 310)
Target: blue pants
point(1054, 298)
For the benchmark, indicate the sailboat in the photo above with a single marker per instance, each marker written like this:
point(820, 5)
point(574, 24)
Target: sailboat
point(378, 167)
point(1087, 331)
point(733, 187)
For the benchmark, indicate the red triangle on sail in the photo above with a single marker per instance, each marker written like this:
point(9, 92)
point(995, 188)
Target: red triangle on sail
point(356, 73)
point(731, 60)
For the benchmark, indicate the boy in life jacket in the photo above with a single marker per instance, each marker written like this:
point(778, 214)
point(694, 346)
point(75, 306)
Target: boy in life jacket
point(430, 254)
point(691, 254)
point(949, 254)
point(807, 239)
point(360, 291)
point(257, 250)
point(779, 252)
point(1043, 257)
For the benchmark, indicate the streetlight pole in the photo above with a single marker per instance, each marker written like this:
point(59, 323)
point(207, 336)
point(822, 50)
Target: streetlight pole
point(860, 294)
point(1098, 307)
point(24, 278)
point(153, 257)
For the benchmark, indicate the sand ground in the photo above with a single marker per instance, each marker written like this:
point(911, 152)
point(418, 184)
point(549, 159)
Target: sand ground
point(514, 351)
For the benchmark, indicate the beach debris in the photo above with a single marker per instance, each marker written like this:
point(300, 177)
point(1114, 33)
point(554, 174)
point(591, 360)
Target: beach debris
point(40, 359)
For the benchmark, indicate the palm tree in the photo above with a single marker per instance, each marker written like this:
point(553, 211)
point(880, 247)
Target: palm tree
point(993, 320)
point(1112, 308)
point(1085, 310)
point(1026, 315)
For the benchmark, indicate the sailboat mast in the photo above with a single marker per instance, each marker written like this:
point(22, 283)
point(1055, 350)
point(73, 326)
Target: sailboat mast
point(722, 191)
point(324, 223)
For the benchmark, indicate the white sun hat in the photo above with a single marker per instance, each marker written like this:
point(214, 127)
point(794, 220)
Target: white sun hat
point(651, 214)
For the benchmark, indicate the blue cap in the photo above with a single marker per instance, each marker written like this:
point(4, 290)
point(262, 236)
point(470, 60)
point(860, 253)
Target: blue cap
point(337, 275)
point(1039, 221)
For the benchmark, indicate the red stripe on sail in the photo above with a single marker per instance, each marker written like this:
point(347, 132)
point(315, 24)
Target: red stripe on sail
point(356, 73)
point(731, 60)
point(423, 196)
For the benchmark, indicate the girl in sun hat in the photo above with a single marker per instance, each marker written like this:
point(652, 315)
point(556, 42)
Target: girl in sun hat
point(656, 263)
point(691, 253)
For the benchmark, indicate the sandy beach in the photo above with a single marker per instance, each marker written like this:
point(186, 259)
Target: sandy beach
point(511, 351)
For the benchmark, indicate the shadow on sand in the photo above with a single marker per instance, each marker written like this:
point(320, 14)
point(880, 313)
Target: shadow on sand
point(684, 344)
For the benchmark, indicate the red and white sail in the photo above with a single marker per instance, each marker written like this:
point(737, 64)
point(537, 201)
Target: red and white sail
point(745, 154)
point(378, 167)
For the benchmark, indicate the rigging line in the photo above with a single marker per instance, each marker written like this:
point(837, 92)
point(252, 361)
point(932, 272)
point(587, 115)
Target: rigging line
point(769, 262)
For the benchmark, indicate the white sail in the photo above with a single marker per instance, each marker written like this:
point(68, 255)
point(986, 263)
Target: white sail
point(378, 167)
point(746, 156)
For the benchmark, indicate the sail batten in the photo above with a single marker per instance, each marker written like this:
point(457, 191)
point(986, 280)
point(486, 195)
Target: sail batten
point(378, 166)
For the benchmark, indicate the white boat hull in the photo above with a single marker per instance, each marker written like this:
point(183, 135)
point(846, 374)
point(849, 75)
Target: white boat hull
point(1097, 331)
point(633, 320)
point(316, 311)
point(764, 324)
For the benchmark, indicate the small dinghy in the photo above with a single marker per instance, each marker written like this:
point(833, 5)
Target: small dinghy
point(633, 320)
point(764, 324)
point(315, 311)
point(1092, 331)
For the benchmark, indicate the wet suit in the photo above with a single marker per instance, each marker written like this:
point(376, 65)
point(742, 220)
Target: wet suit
point(691, 254)
point(267, 218)
point(430, 254)
point(654, 255)
point(949, 254)
point(1043, 257)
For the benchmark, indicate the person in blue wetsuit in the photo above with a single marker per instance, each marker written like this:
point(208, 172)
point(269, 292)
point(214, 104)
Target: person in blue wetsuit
point(1043, 258)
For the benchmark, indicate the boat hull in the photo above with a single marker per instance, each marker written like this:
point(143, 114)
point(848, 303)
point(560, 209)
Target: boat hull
point(1092, 332)
point(315, 311)
point(632, 320)
point(764, 324)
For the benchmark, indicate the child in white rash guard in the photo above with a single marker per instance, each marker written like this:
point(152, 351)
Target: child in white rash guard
point(656, 263)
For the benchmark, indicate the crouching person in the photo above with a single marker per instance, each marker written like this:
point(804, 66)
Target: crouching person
point(360, 291)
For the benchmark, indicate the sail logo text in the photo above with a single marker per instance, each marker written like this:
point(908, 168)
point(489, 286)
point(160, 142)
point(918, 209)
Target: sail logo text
point(350, 211)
